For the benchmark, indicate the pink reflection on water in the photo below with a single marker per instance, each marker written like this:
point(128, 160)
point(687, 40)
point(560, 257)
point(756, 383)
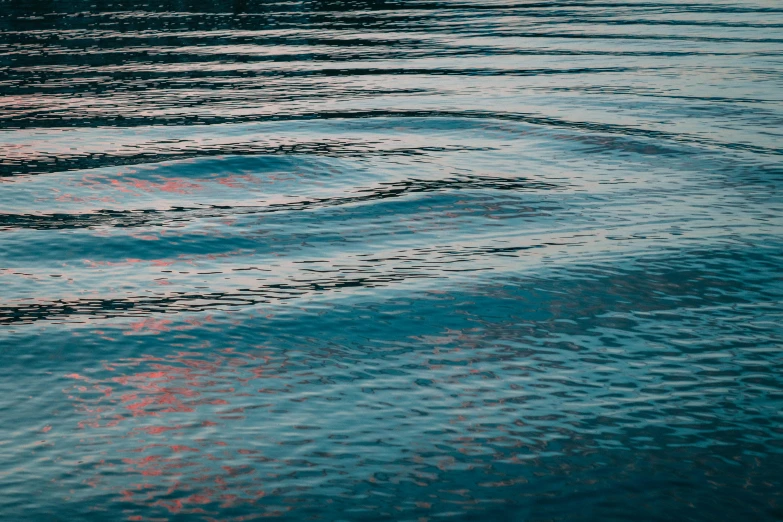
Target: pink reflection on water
point(184, 465)
point(148, 326)
point(177, 186)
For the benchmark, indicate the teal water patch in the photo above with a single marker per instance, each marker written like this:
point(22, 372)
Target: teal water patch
point(390, 260)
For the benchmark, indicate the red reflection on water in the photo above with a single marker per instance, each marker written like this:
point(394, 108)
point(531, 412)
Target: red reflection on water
point(177, 185)
point(188, 469)
point(157, 430)
point(237, 180)
point(71, 198)
point(162, 262)
point(148, 325)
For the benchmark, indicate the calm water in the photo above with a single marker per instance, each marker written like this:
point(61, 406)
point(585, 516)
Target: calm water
point(391, 260)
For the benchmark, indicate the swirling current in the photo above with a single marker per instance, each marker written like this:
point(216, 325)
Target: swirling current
point(415, 260)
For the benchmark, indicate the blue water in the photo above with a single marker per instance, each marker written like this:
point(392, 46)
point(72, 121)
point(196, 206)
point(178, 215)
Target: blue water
point(391, 260)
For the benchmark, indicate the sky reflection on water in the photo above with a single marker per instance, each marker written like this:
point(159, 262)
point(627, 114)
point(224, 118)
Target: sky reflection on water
point(384, 260)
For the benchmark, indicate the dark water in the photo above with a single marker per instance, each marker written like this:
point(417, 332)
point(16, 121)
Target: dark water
point(391, 260)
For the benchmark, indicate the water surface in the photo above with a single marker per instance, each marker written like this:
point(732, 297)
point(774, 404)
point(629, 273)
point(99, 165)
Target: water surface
point(391, 260)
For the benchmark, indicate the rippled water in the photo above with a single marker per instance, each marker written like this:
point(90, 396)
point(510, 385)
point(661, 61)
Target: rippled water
point(391, 260)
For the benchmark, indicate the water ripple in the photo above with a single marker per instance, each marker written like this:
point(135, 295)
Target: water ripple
point(391, 260)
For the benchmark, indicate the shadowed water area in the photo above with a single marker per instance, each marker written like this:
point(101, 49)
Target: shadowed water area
point(391, 260)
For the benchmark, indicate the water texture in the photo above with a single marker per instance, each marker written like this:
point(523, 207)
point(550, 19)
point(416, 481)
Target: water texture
point(391, 260)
